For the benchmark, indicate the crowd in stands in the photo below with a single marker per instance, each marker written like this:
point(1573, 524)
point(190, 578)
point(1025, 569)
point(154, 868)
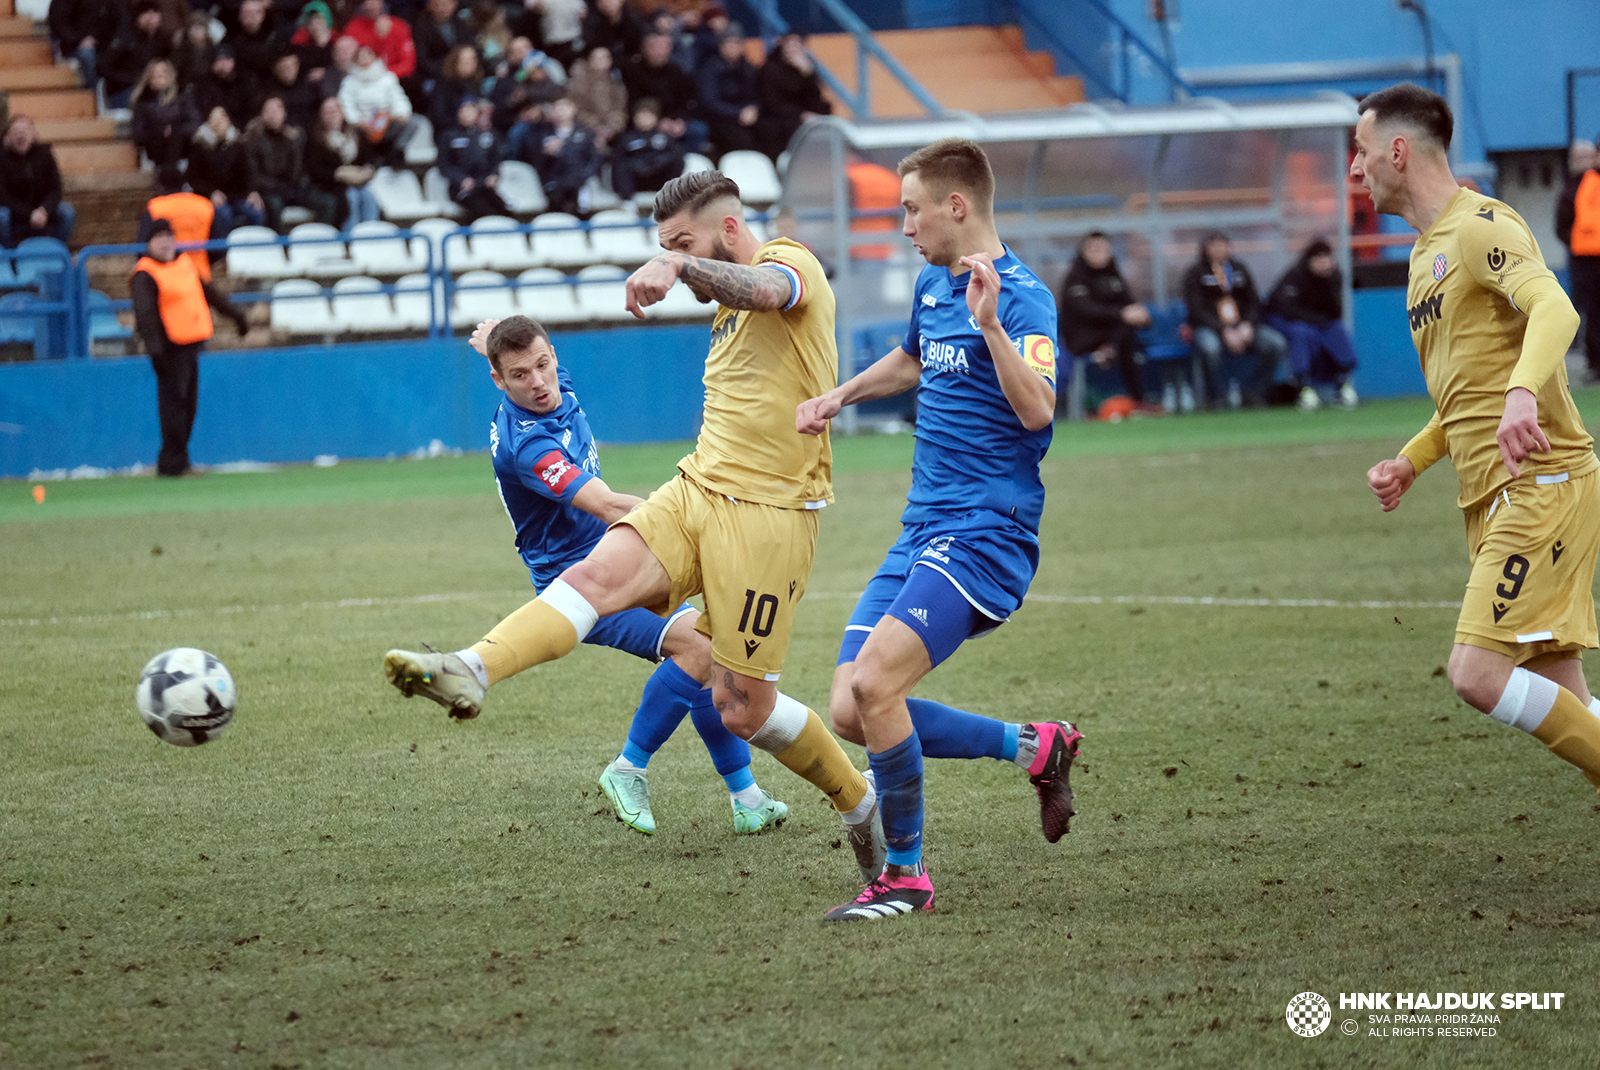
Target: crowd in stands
point(297, 104)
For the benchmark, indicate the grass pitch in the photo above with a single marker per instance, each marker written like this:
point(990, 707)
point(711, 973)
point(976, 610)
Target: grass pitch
point(1274, 798)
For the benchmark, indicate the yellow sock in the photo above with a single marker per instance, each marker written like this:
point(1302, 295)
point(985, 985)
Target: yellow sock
point(531, 636)
point(817, 757)
point(1572, 733)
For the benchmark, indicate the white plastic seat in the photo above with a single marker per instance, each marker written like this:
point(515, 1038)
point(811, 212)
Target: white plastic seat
point(436, 232)
point(294, 215)
point(757, 178)
point(249, 255)
point(547, 295)
point(436, 188)
point(376, 248)
point(560, 241)
point(360, 305)
point(520, 188)
point(298, 307)
point(399, 195)
point(482, 295)
point(633, 243)
point(597, 194)
point(899, 282)
point(681, 304)
point(421, 150)
point(411, 307)
point(693, 162)
point(312, 253)
point(498, 242)
point(602, 293)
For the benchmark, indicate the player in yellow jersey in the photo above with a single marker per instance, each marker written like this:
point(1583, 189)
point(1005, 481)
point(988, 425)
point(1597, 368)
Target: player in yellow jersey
point(738, 523)
point(1492, 327)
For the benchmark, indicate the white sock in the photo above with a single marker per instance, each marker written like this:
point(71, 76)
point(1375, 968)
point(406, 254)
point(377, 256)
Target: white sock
point(783, 727)
point(863, 808)
point(565, 600)
point(1594, 705)
point(1526, 701)
point(750, 796)
point(475, 663)
point(1027, 746)
point(622, 765)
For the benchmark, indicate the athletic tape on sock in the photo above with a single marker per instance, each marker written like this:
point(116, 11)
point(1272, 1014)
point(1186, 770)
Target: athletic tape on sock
point(1594, 705)
point(783, 727)
point(1526, 700)
point(565, 600)
point(476, 665)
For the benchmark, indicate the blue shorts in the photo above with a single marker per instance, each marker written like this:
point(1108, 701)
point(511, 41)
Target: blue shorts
point(635, 631)
point(949, 580)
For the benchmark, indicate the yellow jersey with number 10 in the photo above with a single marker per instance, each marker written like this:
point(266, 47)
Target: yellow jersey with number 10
point(761, 366)
point(1461, 299)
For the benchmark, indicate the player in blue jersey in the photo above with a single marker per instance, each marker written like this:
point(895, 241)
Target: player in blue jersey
point(982, 329)
point(548, 473)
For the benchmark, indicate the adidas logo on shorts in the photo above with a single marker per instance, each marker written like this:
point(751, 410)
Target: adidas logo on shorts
point(921, 615)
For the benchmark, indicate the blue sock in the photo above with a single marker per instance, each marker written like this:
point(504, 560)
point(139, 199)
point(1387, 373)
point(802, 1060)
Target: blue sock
point(898, 772)
point(668, 695)
point(729, 754)
point(947, 732)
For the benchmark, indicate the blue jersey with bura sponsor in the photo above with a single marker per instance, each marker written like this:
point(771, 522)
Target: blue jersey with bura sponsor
point(540, 464)
point(972, 451)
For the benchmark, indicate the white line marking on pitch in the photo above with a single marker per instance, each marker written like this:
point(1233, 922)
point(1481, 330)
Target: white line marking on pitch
point(463, 596)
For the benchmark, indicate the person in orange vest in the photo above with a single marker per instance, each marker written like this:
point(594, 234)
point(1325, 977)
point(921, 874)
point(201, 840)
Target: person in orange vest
point(1578, 226)
point(872, 187)
point(170, 302)
point(193, 218)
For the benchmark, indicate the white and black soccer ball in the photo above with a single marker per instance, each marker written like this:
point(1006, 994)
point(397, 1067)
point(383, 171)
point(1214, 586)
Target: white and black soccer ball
point(186, 696)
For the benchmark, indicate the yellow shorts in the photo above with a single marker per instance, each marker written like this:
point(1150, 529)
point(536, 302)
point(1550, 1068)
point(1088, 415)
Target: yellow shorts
point(750, 561)
point(1533, 551)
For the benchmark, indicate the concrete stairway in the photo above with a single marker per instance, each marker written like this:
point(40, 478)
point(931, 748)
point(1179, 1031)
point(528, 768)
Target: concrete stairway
point(99, 171)
point(983, 69)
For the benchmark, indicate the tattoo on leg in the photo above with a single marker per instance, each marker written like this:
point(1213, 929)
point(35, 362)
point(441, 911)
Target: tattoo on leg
point(742, 697)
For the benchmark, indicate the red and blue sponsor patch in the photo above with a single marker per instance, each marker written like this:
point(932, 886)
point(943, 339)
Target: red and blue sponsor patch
point(556, 472)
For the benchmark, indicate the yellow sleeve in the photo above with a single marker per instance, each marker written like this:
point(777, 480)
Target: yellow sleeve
point(798, 259)
point(1552, 323)
point(1499, 250)
point(1426, 446)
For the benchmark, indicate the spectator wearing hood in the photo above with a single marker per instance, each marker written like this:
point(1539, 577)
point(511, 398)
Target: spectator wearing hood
point(1225, 316)
point(373, 100)
point(1099, 317)
point(312, 41)
point(1307, 308)
point(220, 171)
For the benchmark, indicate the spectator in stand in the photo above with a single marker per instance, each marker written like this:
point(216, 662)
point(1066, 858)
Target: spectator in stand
point(193, 52)
point(653, 76)
point(1099, 317)
point(705, 34)
point(554, 26)
point(388, 37)
point(462, 79)
point(565, 156)
point(192, 216)
point(275, 153)
point(79, 28)
point(169, 307)
point(789, 93)
point(299, 96)
point(225, 86)
point(523, 81)
point(436, 34)
point(255, 46)
point(220, 171)
point(339, 164)
point(373, 100)
point(1307, 308)
point(137, 43)
point(727, 93)
point(344, 61)
point(646, 157)
point(30, 188)
point(313, 43)
point(1225, 314)
point(597, 91)
point(470, 162)
point(163, 118)
point(491, 33)
point(612, 24)
point(1578, 227)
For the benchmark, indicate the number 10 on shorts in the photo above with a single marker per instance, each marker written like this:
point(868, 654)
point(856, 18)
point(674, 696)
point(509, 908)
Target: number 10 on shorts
point(759, 613)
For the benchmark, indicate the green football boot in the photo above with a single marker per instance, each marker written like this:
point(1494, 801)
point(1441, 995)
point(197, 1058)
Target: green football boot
point(629, 793)
point(769, 814)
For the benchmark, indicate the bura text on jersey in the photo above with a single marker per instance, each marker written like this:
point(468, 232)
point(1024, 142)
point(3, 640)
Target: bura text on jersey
point(944, 357)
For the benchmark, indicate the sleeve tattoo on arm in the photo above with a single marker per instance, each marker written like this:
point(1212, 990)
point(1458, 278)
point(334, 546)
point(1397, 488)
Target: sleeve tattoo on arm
point(758, 289)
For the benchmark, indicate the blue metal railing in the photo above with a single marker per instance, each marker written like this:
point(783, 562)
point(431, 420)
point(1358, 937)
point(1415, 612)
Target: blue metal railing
point(1048, 18)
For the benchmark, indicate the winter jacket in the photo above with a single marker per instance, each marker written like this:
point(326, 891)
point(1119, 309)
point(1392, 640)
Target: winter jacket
point(218, 164)
point(1305, 296)
point(396, 48)
point(30, 180)
point(465, 154)
point(1092, 300)
point(151, 117)
point(726, 88)
point(1202, 291)
point(571, 165)
point(602, 100)
point(276, 158)
point(784, 93)
point(624, 37)
point(668, 85)
point(235, 95)
point(636, 153)
point(123, 63)
point(368, 90)
point(323, 157)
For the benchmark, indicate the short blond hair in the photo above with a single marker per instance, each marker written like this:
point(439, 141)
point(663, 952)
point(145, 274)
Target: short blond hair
point(954, 164)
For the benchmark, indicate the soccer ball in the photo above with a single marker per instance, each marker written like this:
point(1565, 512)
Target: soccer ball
point(186, 696)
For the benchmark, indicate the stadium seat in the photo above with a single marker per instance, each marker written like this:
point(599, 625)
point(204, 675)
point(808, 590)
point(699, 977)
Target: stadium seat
point(39, 258)
point(497, 242)
point(421, 150)
point(602, 293)
point(8, 273)
point(899, 282)
point(559, 241)
point(482, 295)
point(681, 304)
point(693, 162)
point(399, 195)
point(16, 323)
point(757, 178)
point(546, 295)
point(520, 188)
point(437, 190)
point(755, 219)
point(103, 323)
point(318, 249)
point(437, 231)
point(294, 215)
point(250, 256)
point(412, 310)
point(619, 237)
point(298, 307)
point(376, 249)
point(361, 306)
point(597, 194)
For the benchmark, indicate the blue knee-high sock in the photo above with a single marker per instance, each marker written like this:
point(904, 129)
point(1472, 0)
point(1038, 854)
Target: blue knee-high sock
point(951, 733)
point(898, 773)
point(668, 695)
point(729, 754)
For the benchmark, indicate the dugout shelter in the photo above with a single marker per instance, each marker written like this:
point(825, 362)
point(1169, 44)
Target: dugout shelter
point(1270, 174)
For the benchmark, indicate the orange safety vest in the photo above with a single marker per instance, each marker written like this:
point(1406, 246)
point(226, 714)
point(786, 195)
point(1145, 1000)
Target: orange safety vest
point(1586, 216)
point(190, 215)
point(872, 186)
point(184, 314)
